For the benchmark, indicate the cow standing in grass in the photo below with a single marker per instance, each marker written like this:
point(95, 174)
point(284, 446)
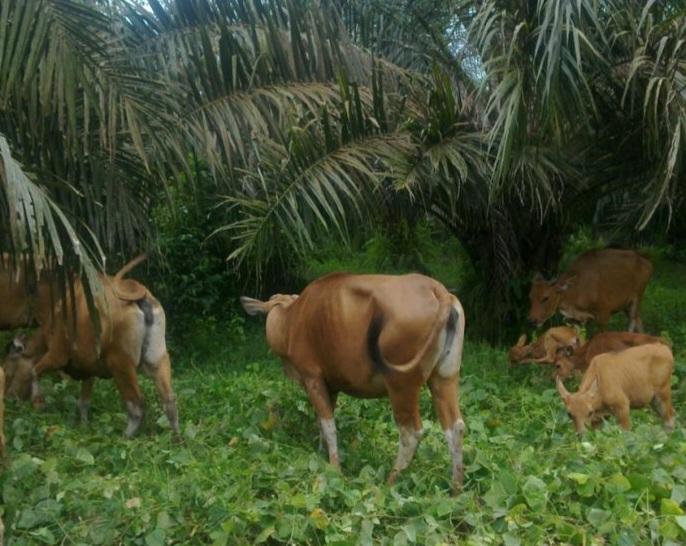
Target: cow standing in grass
point(372, 336)
point(596, 285)
point(617, 382)
point(131, 338)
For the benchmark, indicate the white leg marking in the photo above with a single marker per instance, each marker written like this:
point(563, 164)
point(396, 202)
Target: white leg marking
point(409, 440)
point(453, 437)
point(327, 428)
point(135, 419)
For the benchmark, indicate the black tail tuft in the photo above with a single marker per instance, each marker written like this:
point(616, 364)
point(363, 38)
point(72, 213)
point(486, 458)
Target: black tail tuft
point(373, 343)
point(146, 307)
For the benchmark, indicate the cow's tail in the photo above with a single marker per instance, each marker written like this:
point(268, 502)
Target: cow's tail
point(128, 289)
point(447, 319)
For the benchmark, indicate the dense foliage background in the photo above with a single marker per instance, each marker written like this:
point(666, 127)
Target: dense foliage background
point(251, 146)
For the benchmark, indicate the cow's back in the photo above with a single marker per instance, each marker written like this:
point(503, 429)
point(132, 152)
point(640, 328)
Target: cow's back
point(640, 370)
point(336, 320)
point(607, 278)
point(604, 342)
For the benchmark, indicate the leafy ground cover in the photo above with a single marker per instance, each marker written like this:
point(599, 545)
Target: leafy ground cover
point(249, 471)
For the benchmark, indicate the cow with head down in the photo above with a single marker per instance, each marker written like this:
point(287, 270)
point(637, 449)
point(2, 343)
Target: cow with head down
point(131, 338)
point(596, 285)
point(618, 381)
point(373, 336)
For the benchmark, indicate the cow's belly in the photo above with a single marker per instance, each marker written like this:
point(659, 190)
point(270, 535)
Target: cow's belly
point(375, 387)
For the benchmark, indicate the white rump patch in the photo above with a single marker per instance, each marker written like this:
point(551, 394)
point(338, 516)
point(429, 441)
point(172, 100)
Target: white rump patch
point(450, 359)
point(155, 346)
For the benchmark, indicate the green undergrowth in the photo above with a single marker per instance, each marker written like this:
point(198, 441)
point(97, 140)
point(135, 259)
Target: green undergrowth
point(249, 471)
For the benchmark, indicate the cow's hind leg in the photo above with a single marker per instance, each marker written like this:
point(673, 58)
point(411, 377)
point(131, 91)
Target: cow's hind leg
point(85, 399)
point(123, 369)
point(161, 373)
point(444, 392)
point(333, 396)
point(318, 393)
point(635, 323)
point(405, 402)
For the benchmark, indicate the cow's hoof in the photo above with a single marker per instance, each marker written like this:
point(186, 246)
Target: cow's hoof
point(392, 477)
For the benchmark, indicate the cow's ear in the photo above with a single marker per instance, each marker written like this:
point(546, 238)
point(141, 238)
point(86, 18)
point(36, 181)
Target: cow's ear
point(593, 388)
point(17, 346)
point(538, 278)
point(564, 283)
point(521, 341)
point(253, 306)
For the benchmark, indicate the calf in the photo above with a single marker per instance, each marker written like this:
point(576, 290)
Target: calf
point(596, 285)
point(616, 382)
point(132, 337)
point(372, 336)
point(569, 361)
point(545, 348)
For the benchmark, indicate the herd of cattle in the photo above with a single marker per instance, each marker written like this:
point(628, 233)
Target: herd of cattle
point(367, 336)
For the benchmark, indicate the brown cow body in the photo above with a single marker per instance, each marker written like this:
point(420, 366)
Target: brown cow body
point(603, 342)
point(616, 382)
point(132, 337)
point(14, 300)
point(597, 284)
point(545, 348)
point(373, 336)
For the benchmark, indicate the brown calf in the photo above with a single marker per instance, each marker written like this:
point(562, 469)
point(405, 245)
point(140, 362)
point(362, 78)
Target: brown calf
point(616, 382)
point(545, 348)
point(567, 362)
point(132, 336)
point(597, 284)
point(372, 336)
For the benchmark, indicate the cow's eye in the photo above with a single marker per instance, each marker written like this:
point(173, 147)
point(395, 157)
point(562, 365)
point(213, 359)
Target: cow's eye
point(544, 299)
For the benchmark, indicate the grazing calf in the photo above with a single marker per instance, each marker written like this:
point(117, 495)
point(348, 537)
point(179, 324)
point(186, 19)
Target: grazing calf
point(616, 382)
point(132, 337)
point(567, 362)
point(545, 348)
point(597, 284)
point(372, 336)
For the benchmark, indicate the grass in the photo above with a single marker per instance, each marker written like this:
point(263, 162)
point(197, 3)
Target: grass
point(249, 471)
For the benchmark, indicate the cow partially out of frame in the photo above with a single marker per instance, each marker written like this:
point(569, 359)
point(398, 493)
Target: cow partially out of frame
point(131, 339)
point(373, 336)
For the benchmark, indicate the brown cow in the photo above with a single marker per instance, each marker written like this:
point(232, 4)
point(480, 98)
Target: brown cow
point(616, 382)
point(372, 336)
point(597, 284)
point(132, 324)
point(603, 342)
point(545, 348)
point(2, 415)
point(14, 301)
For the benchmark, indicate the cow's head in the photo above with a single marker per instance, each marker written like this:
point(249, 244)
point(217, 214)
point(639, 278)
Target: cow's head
point(258, 307)
point(277, 318)
point(563, 362)
point(545, 297)
point(519, 351)
point(580, 407)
